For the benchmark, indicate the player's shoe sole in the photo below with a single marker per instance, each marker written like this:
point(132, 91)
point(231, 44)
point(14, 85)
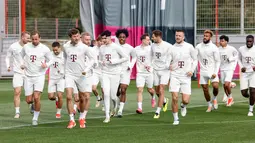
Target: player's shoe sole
point(165, 105)
point(156, 116)
point(175, 123)
point(17, 116)
point(71, 124)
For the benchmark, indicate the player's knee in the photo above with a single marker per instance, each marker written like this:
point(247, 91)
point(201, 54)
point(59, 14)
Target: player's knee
point(150, 90)
point(36, 99)
point(174, 99)
point(185, 101)
point(205, 89)
point(245, 93)
point(140, 90)
point(252, 90)
point(29, 101)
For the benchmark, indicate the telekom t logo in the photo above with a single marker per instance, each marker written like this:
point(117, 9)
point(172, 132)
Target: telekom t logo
point(73, 57)
point(142, 58)
point(33, 58)
point(107, 57)
point(247, 59)
point(55, 65)
point(158, 54)
point(181, 64)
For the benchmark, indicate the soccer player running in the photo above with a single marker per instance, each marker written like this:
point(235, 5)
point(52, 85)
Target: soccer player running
point(37, 58)
point(18, 77)
point(144, 71)
point(56, 78)
point(209, 59)
point(184, 62)
point(122, 35)
point(228, 57)
point(246, 62)
point(111, 56)
point(161, 66)
point(78, 73)
point(86, 39)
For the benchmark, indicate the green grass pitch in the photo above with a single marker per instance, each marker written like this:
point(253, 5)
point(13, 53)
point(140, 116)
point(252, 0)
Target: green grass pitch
point(225, 125)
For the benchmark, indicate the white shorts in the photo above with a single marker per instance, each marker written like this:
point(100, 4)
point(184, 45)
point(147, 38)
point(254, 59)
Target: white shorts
point(32, 84)
point(56, 85)
point(75, 90)
point(96, 79)
point(18, 80)
point(110, 84)
point(204, 79)
point(161, 77)
point(180, 84)
point(84, 84)
point(141, 79)
point(247, 80)
point(125, 77)
point(226, 76)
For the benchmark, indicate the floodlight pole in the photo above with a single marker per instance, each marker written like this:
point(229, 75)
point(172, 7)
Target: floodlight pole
point(23, 15)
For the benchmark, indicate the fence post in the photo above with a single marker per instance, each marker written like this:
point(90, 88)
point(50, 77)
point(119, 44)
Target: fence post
point(14, 25)
point(35, 21)
point(242, 18)
point(56, 29)
point(76, 22)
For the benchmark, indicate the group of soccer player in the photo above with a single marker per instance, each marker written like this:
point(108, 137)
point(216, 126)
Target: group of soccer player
point(78, 68)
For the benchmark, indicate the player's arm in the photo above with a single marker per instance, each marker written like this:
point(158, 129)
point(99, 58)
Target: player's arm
point(49, 58)
point(240, 63)
point(193, 53)
point(92, 59)
point(133, 60)
point(168, 59)
point(234, 56)
point(21, 58)
point(7, 59)
point(216, 55)
point(124, 57)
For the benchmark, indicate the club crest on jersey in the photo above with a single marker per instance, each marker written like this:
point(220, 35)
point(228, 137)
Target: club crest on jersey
point(73, 57)
point(33, 58)
point(158, 54)
point(247, 59)
point(108, 57)
point(55, 65)
point(205, 61)
point(142, 58)
point(224, 57)
point(180, 64)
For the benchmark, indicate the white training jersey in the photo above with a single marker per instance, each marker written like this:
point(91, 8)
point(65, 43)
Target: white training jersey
point(14, 53)
point(75, 59)
point(143, 58)
point(247, 58)
point(160, 56)
point(209, 58)
point(183, 59)
point(130, 52)
point(228, 58)
point(33, 57)
point(96, 52)
point(111, 57)
point(57, 70)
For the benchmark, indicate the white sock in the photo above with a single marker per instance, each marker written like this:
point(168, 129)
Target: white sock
point(56, 98)
point(140, 105)
point(36, 115)
point(107, 106)
point(176, 118)
point(98, 97)
point(17, 110)
point(153, 96)
point(71, 117)
point(121, 106)
point(164, 99)
point(158, 110)
point(75, 107)
point(183, 105)
point(214, 97)
point(251, 108)
point(59, 110)
point(209, 103)
point(230, 96)
point(82, 115)
point(85, 113)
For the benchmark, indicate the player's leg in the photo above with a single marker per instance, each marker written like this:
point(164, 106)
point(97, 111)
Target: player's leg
point(204, 83)
point(38, 89)
point(114, 83)
point(149, 83)
point(17, 82)
point(140, 82)
point(124, 82)
point(156, 82)
point(174, 88)
point(69, 86)
point(28, 87)
point(95, 81)
point(60, 91)
point(164, 80)
point(222, 78)
point(106, 87)
point(186, 92)
point(215, 86)
point(227, 87)
point(251, 84)
point(52, 88)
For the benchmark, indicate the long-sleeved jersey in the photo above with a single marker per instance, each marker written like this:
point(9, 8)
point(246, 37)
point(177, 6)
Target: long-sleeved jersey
point(228, 58)
point(246, 58)
point(209, 58)
point(143, 59)
point(111, 57)
point(161, 51)
point(75, 59)
point(183, 59)
point(14, 53)
point(33, 57)
point(130, 52)
point(96, 52)
point(57, 70)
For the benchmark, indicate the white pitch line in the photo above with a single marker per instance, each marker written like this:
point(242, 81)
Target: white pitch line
point(41, 123)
